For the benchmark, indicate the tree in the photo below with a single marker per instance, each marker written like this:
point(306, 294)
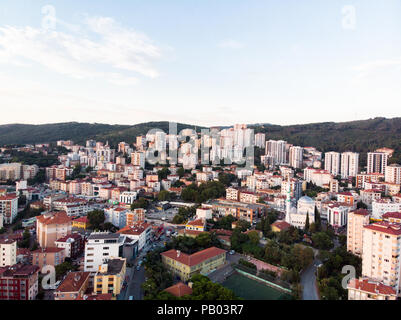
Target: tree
point(164, 195)
point(361, 205)
point(321, 240)
point(307, 222)
point(254, 237)
point(181, 172)
point(96, 219)
point(140, 203)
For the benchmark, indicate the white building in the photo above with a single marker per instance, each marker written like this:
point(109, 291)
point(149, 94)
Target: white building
point(116, 216)
point(382, 206)
point(337, 215)
point(332, 162)
point(260, 140)
point(349, 164)
point(9, 207)
point(393, 174)
point(296, 157)
point(128, 197)
point(277, 150)
point(100, 247)
point(8, 252)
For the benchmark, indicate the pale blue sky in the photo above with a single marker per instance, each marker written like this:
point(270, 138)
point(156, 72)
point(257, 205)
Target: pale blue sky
point(210, 62)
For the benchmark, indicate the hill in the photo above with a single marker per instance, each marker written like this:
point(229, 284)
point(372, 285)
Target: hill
point(359, 136)
point(78, 132)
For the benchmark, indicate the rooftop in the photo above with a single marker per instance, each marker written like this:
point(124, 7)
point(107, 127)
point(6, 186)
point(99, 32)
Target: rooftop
point(193, 259)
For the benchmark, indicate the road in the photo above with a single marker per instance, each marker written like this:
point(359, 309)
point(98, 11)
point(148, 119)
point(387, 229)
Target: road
point(308, 282)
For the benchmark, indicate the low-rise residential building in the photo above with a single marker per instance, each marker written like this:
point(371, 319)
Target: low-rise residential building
point(73, 245)
point(110, 277)
point(185, 266)
point(73, 286)
point(48, 256)
point(140, 232)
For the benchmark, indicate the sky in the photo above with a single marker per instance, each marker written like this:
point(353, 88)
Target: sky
point(203, 62)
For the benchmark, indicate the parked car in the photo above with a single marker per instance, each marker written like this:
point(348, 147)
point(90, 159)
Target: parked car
point(232, 252)
point(131, 298)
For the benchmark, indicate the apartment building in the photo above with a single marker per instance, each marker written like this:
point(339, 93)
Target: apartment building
point(101, 246)
point(368, 289)
point(356, 221)
point(8, 252)
point(73, 286)
point(140, 232)
point(185, 265)
point(349, 164)
point(138, 159)
point(332, 162)
point(382, 206)
point(19, 282)
point(9, 207)
point(48, 256)
point(296, 157)
point(52, 226)
point(393, 173)
point(73, 245)
point(110, 277)
point(377, 162)
point(380, 253)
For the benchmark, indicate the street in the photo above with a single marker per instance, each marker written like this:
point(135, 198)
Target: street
point(308, 282)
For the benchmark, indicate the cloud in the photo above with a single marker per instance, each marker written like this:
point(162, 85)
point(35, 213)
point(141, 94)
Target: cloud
point(99, 48)
point(366, 69)
point(230, 44)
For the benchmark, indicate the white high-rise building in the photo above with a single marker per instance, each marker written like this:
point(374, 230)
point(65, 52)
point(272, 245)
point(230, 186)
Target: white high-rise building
point(349, 164)
point(277, 150)
point(377, 162)
point(296, 157)
point(332, 162)
point(260, 140)
point(393, 174)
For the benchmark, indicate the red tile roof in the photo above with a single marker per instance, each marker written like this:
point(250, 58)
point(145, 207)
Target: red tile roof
point(385, 227)
point(368, 285)
point(362, 212)
point(193, 259)
point(54, 218)
point(179, 290)
point(73, 281)
point(396, 215)
point(282, 225)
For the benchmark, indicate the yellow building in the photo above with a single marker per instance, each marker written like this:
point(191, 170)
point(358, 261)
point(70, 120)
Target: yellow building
point(185, 265)
point(110, 277)
point(80, 223)
point(196, 225)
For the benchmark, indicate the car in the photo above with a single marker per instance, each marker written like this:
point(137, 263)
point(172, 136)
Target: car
point(232, 252)
point(131, 298)
point(138, 268)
